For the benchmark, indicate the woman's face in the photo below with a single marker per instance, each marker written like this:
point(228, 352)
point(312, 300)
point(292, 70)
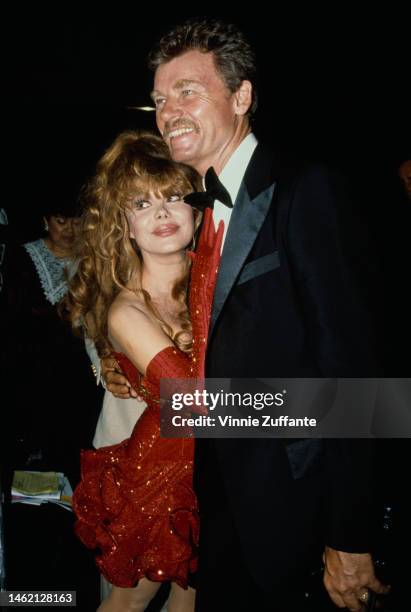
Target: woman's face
point(161, 225)
point(62, 232)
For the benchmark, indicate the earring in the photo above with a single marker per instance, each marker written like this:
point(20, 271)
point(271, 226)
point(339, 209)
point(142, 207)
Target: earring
point(46, 225)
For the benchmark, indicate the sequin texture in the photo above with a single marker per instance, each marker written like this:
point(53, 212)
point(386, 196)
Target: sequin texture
point(135, 502)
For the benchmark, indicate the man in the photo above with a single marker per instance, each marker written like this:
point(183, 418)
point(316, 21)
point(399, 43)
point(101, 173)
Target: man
point(284, 306)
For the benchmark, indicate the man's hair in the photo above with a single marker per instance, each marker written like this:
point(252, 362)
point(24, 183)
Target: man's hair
point(233, 55)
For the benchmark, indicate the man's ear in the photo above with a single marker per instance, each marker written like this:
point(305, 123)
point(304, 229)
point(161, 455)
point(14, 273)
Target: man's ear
point(243, 98)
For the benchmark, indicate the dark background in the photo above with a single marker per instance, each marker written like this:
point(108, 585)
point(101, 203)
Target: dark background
point(333, 87)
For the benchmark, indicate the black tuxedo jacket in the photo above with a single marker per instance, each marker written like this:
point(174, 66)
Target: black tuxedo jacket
point(285, 305)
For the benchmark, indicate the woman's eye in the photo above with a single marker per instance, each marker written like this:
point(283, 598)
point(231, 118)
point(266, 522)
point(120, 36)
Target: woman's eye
point(187, 92)
point(175, 197)
point(140, 204)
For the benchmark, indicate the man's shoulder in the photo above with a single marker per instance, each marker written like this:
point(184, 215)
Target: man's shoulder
point(265, 168)
point(285, 164)
point(269, 164)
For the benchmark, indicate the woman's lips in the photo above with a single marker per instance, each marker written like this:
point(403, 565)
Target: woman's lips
point(166, 230)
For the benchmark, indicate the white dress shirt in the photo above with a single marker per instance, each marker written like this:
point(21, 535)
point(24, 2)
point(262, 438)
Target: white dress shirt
point(231, 177)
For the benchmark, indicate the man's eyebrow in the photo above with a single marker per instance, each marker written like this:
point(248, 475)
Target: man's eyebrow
point(184, 82)
point(177, 85)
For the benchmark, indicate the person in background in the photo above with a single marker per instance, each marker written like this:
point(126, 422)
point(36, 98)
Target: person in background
point(55, 403)
point(3, 242)
point(404, 172)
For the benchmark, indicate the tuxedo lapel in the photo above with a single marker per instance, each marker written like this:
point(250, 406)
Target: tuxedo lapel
point(250, 210)
point(246, 221)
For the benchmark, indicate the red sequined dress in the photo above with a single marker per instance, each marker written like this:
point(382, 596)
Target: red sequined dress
point(135, 502)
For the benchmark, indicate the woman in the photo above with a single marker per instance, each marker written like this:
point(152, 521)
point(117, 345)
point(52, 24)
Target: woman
point(135, 501)
point(52, 425)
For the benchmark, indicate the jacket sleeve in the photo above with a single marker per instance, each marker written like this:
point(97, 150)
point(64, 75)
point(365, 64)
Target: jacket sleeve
point(319, 241)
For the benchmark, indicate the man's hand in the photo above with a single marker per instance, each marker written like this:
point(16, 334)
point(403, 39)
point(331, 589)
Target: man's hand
point(347, 576)
point(115, 380)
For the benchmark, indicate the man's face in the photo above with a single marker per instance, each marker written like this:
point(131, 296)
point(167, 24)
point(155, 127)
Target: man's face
point(196, 113)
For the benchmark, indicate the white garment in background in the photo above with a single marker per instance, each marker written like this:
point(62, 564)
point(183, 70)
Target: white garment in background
point(117, 419)
point(117, 416)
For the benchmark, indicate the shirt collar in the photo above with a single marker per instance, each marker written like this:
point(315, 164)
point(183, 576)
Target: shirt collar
point(233, 172)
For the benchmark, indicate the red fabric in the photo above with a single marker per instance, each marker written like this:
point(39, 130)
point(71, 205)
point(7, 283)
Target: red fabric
point(204, 271)
point(135, 502)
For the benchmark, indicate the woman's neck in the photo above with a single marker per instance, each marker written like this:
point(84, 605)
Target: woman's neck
point(57, 251)
point(160, 275)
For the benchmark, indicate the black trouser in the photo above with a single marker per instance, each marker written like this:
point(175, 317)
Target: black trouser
point(224, 582)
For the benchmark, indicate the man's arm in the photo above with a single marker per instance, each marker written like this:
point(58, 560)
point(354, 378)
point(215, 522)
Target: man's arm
point(108, 373)
point(114, 379)
point(339, 333)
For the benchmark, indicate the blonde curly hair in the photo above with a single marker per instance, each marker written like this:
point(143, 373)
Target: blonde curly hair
point(137, 162)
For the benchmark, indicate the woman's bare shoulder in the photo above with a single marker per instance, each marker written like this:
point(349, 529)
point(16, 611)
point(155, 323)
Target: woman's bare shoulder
point(127, 305)
point(132, 331)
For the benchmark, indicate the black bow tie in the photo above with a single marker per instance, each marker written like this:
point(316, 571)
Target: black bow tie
point(215, 190)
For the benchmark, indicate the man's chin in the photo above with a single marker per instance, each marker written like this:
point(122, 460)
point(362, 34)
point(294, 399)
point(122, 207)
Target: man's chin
point(181, 148)
point(179, 154)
